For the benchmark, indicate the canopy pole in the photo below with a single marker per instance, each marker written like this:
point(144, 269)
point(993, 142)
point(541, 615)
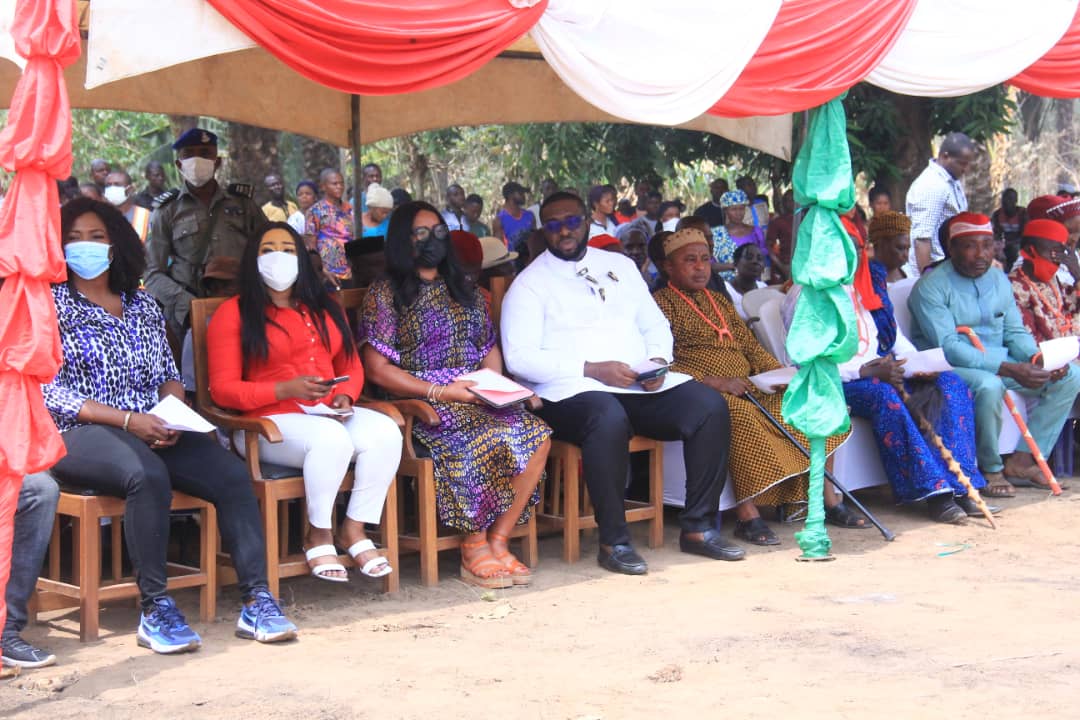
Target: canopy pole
point(354, 145)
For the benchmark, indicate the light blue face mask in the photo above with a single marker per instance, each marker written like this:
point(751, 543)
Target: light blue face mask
point(87, 259)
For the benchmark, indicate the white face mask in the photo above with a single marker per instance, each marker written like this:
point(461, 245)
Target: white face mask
point(197, 171)
point(670, 224)
point(116, 195)
point(278, 270)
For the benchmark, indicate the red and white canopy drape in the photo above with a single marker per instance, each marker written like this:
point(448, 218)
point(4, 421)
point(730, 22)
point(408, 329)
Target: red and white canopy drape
point(660, 63)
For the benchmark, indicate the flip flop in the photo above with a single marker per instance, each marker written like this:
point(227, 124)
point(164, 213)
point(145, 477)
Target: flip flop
point(320, 571)
point(369, 568)
point(756, 532)
point(841, 515)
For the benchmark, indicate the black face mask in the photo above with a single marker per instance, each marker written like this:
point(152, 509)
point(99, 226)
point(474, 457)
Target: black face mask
point(431, 252)
point(577, 254)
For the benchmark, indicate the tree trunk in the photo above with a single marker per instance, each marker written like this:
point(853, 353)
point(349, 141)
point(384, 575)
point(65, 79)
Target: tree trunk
point(913, 148)
point(253, 154)
point(180, 124)
point(318, 156)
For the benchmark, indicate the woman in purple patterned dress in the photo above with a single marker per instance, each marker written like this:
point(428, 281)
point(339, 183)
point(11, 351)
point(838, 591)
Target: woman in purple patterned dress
point(422, 329)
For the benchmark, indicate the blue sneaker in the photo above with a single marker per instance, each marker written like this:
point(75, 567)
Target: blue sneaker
point(164, 630)
point(261, 619)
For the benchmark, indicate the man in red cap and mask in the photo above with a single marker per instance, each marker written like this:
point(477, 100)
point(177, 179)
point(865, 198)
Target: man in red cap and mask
point(1048, 306)
point(966, 291)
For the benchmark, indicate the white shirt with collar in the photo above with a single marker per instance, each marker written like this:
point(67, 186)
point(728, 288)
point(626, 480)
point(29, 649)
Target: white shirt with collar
point(933, 197)
point(453, 222)
point(559, 314)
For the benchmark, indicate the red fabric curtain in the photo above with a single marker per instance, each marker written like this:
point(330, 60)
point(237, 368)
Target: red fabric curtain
point(1057, 73)
point(381, 47)
point(36, 144)
point(815, 50)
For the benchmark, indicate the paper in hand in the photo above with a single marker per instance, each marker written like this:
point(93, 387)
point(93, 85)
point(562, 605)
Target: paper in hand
point(178, 416)
point(766, 381)
point(487, 379)
point(325, 410)
point(925, 362)
point(1059, 352)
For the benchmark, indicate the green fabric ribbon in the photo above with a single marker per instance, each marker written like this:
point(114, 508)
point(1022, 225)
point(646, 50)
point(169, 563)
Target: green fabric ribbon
point(822, 332)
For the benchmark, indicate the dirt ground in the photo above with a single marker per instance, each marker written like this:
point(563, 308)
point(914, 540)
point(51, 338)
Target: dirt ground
point(945, 622)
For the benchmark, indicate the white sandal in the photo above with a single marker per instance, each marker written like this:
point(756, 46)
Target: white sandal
point(366, 545)
point(320, 571)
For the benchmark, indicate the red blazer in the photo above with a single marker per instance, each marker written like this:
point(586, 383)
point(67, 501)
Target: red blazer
point(295, 348)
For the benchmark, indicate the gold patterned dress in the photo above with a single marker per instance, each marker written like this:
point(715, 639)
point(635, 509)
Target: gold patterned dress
point(764, 465)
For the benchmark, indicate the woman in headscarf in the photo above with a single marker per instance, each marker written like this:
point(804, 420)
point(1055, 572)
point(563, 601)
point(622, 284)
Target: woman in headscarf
point(714, 345)
point(734, 232)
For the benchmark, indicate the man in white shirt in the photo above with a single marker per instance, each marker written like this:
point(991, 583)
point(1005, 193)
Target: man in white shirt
point(454, 212)
point(935, 196)
point(578, 324)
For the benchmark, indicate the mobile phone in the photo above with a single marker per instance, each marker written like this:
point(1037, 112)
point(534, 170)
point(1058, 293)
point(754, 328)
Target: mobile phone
point(334, 381)
point(652, 374)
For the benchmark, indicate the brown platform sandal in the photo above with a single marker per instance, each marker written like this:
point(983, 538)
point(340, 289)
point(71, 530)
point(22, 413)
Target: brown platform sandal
point(519, 571)
point(484, 570)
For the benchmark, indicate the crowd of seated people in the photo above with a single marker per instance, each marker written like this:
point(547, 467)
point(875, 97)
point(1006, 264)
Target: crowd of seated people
point(594, 297)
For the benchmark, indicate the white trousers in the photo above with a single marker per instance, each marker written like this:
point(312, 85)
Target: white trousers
point(324, 447)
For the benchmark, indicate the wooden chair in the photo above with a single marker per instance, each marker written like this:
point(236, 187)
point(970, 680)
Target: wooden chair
point(86, 590)
point(274, 484)
point(565, 499)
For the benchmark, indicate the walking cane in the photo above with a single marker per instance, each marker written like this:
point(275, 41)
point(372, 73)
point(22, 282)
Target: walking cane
point(885, 532)
point(1011, 404)
point(950, 461)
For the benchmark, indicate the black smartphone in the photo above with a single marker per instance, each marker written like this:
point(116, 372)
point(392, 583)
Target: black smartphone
point(334, 381)
point(652, 374)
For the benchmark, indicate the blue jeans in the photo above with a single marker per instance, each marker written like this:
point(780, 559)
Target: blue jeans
point(34, 516)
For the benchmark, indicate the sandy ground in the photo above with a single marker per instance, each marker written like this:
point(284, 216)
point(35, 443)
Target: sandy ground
point(890, 630)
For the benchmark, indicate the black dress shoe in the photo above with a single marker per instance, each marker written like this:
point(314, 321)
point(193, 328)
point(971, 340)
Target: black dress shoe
point(968, 505)
point(622, 559)
point(943, 509)
point(711, 545)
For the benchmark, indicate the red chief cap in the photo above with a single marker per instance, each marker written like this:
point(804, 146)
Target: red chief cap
point(468, 248)
point(1050, 230)
point(602, 241)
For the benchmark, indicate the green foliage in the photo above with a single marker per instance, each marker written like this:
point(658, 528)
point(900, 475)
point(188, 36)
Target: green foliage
point(127, 140)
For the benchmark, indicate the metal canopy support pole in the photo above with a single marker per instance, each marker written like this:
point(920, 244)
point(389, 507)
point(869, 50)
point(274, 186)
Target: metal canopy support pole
point(354, 145)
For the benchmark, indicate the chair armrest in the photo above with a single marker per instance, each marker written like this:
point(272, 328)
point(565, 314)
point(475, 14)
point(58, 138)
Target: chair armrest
point(385, 408)
point(228, 421)
point(534, 403)
point(417, 410)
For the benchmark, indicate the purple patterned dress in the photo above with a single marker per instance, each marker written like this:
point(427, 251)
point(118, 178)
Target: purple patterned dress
point(476, 449)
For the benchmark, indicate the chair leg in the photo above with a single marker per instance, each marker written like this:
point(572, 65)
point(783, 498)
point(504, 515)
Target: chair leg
point(428, 528)
point(530, 549)
point(117, 538)
point(208, 541)
point(571, 506)
point(283, 529)
point(270, 531)
point(86, 551)
point(656, 496)
point(54, 550)
point(389, 530)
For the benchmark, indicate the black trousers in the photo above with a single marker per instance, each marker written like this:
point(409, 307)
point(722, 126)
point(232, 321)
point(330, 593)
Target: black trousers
point(117, 463)
point(601, 424)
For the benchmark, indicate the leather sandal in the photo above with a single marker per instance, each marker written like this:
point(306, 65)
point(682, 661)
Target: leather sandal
point(755, 531)
point(519, 571)
point(484, 570)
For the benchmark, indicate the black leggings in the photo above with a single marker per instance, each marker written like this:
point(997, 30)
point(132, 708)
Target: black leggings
point(116, 463)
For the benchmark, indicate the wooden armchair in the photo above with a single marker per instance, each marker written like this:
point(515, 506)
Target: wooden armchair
point(276, 485)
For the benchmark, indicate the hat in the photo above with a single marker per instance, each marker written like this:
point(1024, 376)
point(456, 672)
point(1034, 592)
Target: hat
point(495, 252)
point(222, 267)
point(602, 241)
point(1046, 230)
point(513, 187)
point(888, 224)
point(195, 136)
point(1053, 207)
point(733, 197)
point(378, 196)
point(967, 224)
point(682, 238)
point(1038, 207)
point(467, 246)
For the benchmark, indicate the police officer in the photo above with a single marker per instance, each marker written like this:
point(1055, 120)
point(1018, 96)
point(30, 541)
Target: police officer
point(195, 224)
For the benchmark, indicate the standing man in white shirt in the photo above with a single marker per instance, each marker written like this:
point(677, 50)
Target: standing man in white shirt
point(935, 196)
point(575, 325)
point(454, 212)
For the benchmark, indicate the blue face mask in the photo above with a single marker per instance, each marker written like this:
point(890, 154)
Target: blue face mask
point(87, 259)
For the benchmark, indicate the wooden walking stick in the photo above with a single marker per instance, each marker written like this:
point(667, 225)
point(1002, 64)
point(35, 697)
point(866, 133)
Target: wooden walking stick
point(954, 467)
point(1011, 404)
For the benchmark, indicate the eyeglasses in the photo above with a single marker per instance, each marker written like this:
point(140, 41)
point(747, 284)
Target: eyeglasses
point(572, 223)
point(439, 232)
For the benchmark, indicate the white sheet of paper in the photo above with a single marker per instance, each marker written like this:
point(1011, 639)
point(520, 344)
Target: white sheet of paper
point(766, 380)
point(925, 362)
point(487, 379)
point(1059, 352)
point(324, 409)
point(646, 366)
point(178, 416)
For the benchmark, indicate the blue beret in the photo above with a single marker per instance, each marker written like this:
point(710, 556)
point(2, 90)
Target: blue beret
point(195, 136)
